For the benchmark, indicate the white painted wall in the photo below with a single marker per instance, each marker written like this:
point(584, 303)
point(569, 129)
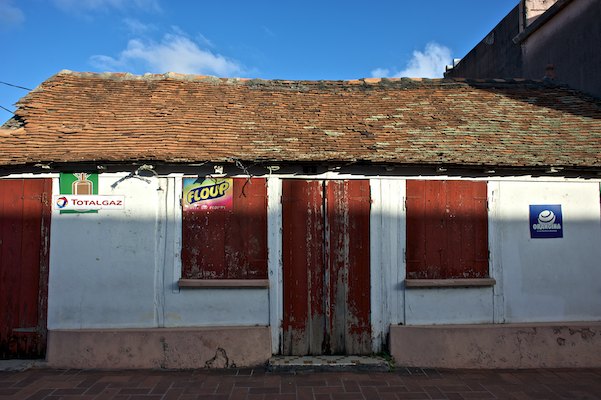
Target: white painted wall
point(387, 240)
point(538, 280)
point(436, 306)
point(275, 264)
point(550, 279)
point(102, 265)
point(119, 269)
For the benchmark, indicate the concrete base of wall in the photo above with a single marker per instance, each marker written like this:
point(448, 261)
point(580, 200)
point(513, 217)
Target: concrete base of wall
point(556, 345)
point(181, 348)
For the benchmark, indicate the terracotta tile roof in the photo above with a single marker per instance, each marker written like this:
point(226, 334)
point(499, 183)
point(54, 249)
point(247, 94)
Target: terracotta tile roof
point(182, 118)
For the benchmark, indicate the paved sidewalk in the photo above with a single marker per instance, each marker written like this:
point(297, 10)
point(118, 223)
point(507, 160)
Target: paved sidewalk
point(51, 384)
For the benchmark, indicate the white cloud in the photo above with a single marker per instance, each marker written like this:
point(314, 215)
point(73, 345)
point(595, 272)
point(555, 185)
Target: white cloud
point(430, 63)
point(85, 6)
point(380, 73)
point(137, 27)
point(202, 39)
point(176, 52)
point(268, 31)
point(10, 15)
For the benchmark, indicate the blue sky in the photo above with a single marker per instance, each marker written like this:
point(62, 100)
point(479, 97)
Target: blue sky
point(258, 39)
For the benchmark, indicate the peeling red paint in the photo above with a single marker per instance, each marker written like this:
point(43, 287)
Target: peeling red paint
point(24, 238)
point(447, 229)
point(326, 267)
point(228, 244)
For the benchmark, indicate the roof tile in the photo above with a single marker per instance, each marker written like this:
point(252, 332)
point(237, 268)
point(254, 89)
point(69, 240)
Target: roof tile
point(190, 118)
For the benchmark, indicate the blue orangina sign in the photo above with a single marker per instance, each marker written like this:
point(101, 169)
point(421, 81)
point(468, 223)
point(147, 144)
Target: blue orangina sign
point(546, 221)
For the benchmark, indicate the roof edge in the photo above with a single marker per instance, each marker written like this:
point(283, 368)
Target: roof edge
point(125, 76)
point(541, 20)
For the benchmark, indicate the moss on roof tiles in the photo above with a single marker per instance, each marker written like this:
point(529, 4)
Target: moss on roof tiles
point(122, 116)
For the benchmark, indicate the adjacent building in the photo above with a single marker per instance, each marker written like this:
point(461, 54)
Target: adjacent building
point(552, 39)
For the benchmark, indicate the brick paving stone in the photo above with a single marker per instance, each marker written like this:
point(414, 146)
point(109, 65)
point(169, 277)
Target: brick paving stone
point(287, 386)
point(133, 391)
point(238, 393)
point(304, 393)
point(264, 390)
point(477, 395)
point(434, 392)
point(346, 396)
point(40, 394)
point(392, 389)
point(172, 394)
point(7, 391)
point(454, 388)
point(187, 397)
point(161, 387)
point(432, 373)
point(374, 382)
point(97, 388)
point(351, 386)
point(68, 392)
point(248, 384)
point(328, 389)
point(107, 394)
point(280, 397)
point(413, 395)
point(87, 382)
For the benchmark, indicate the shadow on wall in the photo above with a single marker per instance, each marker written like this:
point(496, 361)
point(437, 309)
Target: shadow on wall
point(551, 96)
point(120, 244)
point(105, 267)
point(115, 259)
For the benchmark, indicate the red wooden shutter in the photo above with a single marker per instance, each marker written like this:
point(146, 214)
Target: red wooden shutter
point(25, 214)
point(447, 229)
point(228, 244)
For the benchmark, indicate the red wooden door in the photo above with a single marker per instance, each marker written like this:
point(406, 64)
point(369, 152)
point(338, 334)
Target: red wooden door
point(447, 229)
point(326, 267)
point(24, 244)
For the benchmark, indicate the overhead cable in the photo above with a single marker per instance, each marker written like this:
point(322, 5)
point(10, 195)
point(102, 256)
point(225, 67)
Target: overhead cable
point(4, 108)
point(17, 86)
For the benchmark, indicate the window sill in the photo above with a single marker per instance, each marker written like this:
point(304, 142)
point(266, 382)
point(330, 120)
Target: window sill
point(223, 283)
point(449, 283)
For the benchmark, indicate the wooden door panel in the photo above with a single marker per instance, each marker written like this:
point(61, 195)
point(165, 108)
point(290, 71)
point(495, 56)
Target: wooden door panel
point(348, 205)
point(326, 267)
point(303, 258)
point(24, 240)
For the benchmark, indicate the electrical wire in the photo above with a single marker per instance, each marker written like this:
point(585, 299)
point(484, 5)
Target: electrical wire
point(6, 109)
point(17, 86)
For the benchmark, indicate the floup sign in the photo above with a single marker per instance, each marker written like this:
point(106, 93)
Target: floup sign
point(79, 194)
point(207, 194)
